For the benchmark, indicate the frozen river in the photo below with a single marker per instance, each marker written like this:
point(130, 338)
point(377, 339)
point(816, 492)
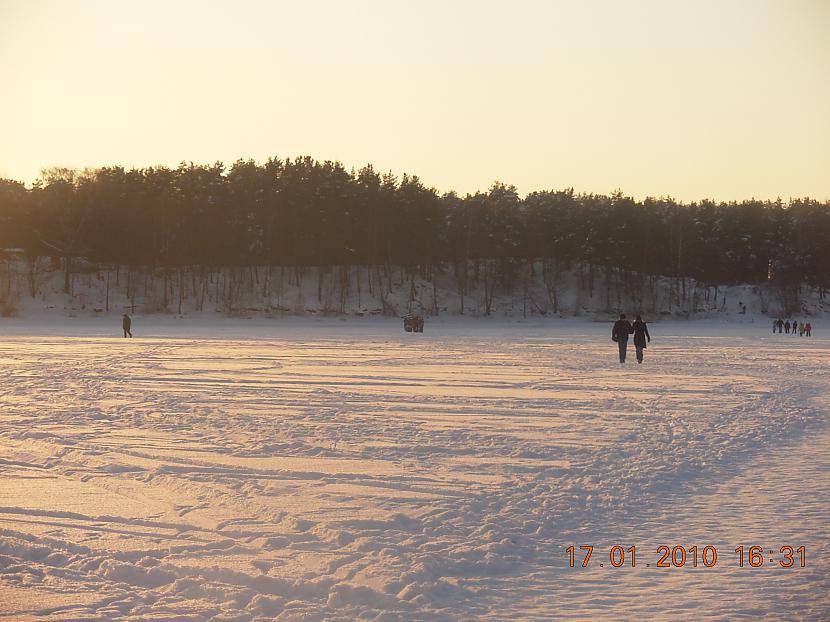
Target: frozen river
point(342, 471)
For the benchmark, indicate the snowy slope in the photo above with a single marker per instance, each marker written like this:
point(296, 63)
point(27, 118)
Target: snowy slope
point(336, 470)
point(37, 290)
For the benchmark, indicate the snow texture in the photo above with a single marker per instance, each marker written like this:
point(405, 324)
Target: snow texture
point(345, 470)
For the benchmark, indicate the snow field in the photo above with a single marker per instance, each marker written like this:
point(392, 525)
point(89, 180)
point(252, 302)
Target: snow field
point(355, 472)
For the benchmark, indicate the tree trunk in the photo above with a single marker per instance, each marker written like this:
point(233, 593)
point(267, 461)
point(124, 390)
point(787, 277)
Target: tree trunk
point(67, 264)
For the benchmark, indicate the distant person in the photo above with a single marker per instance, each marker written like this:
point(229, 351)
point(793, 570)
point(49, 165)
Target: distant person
point(622, 329)
point(780, 325)
point(807, 328)
point(640, 336)
point(742, 307)
point(802, 329)
point(774, 326)
point(795, 326)
point(126, 322)
point(787, 327)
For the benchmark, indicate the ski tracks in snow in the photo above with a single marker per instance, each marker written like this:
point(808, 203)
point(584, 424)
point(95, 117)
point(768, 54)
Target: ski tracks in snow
point(433, 478)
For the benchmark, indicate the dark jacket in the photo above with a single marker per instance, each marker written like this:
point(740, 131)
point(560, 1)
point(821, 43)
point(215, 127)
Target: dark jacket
point(640, 333)
point(622, 329)
point(126, 322)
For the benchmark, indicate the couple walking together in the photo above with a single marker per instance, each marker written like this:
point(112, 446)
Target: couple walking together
point(623, 328)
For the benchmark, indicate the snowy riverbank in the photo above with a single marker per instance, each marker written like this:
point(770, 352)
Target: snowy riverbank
point(41, 290)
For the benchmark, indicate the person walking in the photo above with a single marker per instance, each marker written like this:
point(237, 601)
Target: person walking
point(807, 328)
point(780, 325)
point(795, 326)
point(802, 330)
point(640, 336)
point(126, 322)
point(787, 327)
point(619, 333)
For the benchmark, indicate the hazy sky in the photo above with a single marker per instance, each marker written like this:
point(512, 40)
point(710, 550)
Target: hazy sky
point(725, 99)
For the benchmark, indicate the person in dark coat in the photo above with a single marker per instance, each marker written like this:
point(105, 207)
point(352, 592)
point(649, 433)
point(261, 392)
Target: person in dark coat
point(795, 326)
point(126, 322)
point(640, 336)
point(787, 327)
point(780, 325)
point(622, 329)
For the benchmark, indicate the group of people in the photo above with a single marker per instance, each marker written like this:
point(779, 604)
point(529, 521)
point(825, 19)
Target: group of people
point(623, 328)
point(805, 328)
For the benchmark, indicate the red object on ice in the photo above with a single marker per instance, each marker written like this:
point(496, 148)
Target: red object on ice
point(413, 323)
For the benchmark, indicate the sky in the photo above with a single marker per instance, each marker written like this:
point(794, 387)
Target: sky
point(720, 99)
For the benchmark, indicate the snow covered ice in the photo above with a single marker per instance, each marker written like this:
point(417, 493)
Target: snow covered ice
point(343, 470)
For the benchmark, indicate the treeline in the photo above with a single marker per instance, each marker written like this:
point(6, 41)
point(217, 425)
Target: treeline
point(301, 212)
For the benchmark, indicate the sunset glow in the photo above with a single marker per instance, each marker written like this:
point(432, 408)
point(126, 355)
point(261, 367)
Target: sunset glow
point(724, 100)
